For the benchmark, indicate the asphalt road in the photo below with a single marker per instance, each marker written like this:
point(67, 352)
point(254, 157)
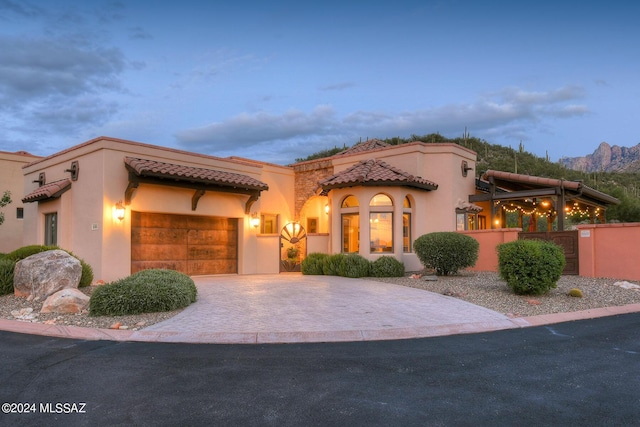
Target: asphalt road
point(577, 373)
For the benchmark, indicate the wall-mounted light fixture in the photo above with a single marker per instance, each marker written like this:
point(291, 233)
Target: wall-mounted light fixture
point(465, 168)
point(255, 220)
point(118, 211)
point(326, 209)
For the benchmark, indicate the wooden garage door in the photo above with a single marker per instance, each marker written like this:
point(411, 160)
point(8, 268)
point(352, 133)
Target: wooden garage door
point(193, 245)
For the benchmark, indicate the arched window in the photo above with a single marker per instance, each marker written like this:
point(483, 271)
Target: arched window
point(381, 224)
point(350, 202)
point(350, 225)
point(406, 225)
point(381, 200)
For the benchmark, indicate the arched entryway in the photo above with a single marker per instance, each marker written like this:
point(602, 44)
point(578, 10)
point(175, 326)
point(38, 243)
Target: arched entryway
point(293, 246)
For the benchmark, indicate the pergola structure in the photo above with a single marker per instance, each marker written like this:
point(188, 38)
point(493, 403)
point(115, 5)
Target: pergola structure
point(539, 196)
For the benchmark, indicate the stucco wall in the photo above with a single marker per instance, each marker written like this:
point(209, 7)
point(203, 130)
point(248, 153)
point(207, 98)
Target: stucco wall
point(609, 250)
point(12, 180)
point(86, 222)
point(489, 241)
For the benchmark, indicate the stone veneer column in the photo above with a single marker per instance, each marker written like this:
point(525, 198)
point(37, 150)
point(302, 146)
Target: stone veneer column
point(307, 175)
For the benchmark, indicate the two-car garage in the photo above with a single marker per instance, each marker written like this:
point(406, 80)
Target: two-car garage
point(194, 245)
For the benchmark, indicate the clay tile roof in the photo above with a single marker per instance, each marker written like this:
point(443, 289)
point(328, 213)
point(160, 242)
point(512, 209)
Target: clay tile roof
point(369, 145)
point(48, 191)
point(155, 169)
point(375, 172)
point(531, 180)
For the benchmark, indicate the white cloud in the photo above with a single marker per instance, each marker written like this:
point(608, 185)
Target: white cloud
point(506, 113)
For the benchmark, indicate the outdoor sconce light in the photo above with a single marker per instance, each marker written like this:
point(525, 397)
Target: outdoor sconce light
point(326, 209)
point(465, 168)
point(255, 220)
point(118, 211)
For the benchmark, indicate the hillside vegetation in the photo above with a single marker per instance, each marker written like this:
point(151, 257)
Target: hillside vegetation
point(624, 186)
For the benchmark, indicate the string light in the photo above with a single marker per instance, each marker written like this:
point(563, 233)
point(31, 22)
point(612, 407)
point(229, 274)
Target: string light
point(574, 210)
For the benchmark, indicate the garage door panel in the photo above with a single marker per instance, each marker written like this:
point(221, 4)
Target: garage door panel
point(177, 265)
point(211, 223)
point(168, 236)
point(156, 220)
point(206, 267)
point(221, 252)
point(194, 245)
point(158, 252)
point(200, 237)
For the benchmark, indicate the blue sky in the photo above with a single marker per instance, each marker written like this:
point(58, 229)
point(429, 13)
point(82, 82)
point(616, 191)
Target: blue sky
point(279, 80)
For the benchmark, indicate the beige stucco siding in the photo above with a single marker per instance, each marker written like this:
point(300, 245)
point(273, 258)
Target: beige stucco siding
point(12, 180)
point(86, 222)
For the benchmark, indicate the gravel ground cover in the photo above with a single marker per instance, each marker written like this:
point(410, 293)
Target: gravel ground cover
point(485, 289)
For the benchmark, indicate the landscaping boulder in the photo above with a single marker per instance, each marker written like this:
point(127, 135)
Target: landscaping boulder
point(66, 301)
point(46, 273)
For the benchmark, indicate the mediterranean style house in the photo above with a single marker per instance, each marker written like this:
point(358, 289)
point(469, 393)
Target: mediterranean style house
point(125, 206)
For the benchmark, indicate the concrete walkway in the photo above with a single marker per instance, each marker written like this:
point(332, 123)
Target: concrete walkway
point(288, 308)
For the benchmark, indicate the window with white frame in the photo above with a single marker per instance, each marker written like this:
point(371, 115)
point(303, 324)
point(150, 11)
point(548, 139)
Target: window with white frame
point(350, 224)
point(381, 224)
point(406, 225)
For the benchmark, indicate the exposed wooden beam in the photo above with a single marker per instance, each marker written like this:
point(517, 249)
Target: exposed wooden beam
point(195, 198)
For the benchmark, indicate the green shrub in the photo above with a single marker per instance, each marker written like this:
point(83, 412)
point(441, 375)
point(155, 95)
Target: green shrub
point(313, 263)
point(331, 264)
point(146, 291)
point(87, 274)
point(6, 276)
point(530, 266)
point(387, 266)
point(354, 265)
point(26, 251)
point(446, 251)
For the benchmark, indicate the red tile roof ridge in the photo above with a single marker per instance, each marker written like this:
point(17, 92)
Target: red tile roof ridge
point(163, 169)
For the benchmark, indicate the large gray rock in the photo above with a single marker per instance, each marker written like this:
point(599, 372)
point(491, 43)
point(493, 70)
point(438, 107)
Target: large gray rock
point(66, 301)
point(46, 273)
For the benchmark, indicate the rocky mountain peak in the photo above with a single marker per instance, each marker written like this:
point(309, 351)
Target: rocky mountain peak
point(606, 158)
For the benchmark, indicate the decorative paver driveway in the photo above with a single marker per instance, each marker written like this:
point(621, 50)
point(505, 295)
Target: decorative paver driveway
point(297, 308)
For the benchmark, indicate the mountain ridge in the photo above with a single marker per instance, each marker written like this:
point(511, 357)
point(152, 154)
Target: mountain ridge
point(606, 158)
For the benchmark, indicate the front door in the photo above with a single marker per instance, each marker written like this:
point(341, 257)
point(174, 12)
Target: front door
point(293, 246)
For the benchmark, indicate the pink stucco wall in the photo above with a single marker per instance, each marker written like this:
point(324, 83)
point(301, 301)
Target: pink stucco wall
point(610, 250)
point(605, 250)
point(489, 240)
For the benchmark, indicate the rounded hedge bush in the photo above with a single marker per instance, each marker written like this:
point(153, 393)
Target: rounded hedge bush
point(354, 266)
point(530, 266)
point(331, 264)
point(446, 251)
point(313, 264)
point(387, 266)
point(146, 291)
point(6, 276)
point(26, 251)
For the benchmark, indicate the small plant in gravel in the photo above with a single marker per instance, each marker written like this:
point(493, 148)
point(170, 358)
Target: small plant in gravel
point(387, 266)
point(6, 276)
point(313, 264)
point(146, 291)
point(354, 265)
point(575, 292)
point(530, 266)
point(446, 251)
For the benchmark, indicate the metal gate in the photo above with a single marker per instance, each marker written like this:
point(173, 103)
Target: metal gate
point(567, 240)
